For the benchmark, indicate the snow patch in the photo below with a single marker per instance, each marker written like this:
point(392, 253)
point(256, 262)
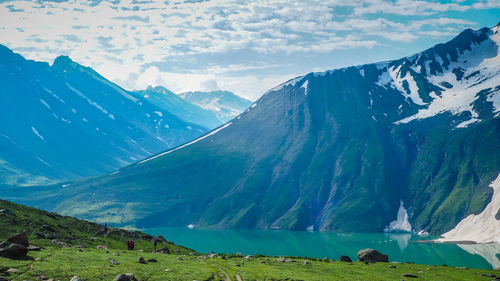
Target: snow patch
point(159, 113)
point(189, 143)
point(91, 102)
point(401, 223)
point(37, 133)
point(305, 86)
point(480, 228)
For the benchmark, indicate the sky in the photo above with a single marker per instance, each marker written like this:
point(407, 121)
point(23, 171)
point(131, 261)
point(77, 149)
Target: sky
point(246, 47)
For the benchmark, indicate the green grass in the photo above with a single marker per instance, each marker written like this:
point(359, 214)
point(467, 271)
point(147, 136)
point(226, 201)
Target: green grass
point(58, 263)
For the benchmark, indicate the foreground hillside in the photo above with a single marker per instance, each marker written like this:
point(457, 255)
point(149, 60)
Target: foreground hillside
point(73, 247)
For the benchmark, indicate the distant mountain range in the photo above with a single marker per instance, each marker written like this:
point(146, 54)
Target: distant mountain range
point(65, 121)
point(404, 145)
point(224, 104)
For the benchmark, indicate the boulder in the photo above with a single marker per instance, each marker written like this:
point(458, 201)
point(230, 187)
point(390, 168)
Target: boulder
point(101, 247)
point(141, 260)
point(125, 277)
point(112, 261)
point(371, 255)
point(21, 239)
point(345, 258)
point(152, 260)
point(76, 278)
point(410, 275)
point(13, 250)
point(162, 251)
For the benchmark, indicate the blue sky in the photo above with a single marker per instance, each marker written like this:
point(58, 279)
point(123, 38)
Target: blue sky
point(243, 46)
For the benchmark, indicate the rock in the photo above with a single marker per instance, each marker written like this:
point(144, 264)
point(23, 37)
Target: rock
point(21, 239)
point(80, 250)
point(248, 257)
point(116, 254)
point(281, 259)
point(7, 212)
point(211, 256)
point(392, 266)
point(3, 279)
point(112, 261)
point(410, 275)
point(102, 247)
point(12, 250)
point(179, 258)
point(62, 244)
point(76, 278)
point(152, 260)
point(125, 277)
point(345, 258)
point(13, 270)
point(305, 263)
point(370, 255)
point(141, 260)
point(162, 251)
point(80, 247)
point(34, 248)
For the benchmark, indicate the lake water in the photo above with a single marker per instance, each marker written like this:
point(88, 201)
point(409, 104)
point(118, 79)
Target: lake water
point(399, 247)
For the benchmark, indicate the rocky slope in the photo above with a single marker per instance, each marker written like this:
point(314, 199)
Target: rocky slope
point(404, 144)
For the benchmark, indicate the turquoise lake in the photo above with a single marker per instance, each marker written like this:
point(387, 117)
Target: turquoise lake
point(399, 247)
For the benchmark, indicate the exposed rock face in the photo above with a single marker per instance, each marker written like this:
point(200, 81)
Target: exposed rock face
point(21, 238)
point(371, 255)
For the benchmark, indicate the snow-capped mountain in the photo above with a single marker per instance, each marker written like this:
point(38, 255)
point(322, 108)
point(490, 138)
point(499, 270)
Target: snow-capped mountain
point(185, 110)
point(224, 104)
point(64, 121)
point(405, 145)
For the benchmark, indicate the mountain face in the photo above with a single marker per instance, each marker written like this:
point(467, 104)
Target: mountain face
point(65, 121)
point(410, 144)
point(185, 110)
point(224, 104)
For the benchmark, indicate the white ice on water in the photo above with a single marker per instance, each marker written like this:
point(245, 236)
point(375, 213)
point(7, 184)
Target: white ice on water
point(401, 223)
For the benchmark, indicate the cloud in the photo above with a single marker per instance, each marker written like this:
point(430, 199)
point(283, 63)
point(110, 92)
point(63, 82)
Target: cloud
point(130, 35)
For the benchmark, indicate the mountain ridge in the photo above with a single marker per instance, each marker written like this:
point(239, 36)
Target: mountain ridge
point(327, 151)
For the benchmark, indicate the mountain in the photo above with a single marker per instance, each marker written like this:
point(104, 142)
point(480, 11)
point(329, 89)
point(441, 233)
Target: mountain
point(185, 110)
point(224, 104)
point(404, 145)
point(64, 121)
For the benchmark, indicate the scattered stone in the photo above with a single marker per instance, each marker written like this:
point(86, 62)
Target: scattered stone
point(101, 247)
point(211, 256)
point(12, 250)
point(38, 259)
point(34, 248)
point(125, 277)
point(420, 271)
point(76, 278)
point(167, 270)
point(262, 262)
point(305, 263)
point(237, 265)
point(152, 260)
point(116, 254)
point(462, 267)
point(80, 247)
point(248, 257)
point(112, 261)
point(13, 270)
point(345, 259)
point(410, 275)
point(370, 255)
point(56, 242)
point(21, 239)
point(179, 258)
point(7, 212)
point(141, 260)
point(3, 278)
point(392, 266)
point(281, 259)
point(80, 250)
point(140, 251)
point(162, 251)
